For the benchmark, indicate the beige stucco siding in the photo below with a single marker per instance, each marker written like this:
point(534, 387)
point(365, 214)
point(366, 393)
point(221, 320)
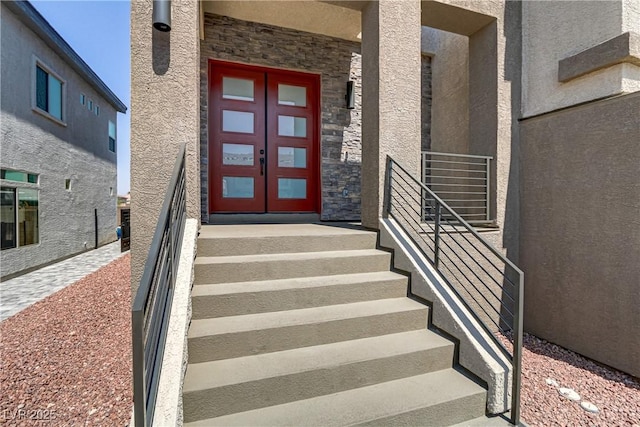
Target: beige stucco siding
point(164, 115)
point(580, 238)
point(391, 108)
point(450, 89)
point(556, 30)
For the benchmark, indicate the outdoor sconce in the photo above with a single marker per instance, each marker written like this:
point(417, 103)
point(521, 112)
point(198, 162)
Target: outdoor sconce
point(350, 97)
point(162, 15)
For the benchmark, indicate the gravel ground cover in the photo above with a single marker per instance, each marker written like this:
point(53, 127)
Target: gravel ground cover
point(615, 394)
point(66, 360)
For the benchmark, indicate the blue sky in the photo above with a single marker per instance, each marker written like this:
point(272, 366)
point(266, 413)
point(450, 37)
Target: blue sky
point(99, 32)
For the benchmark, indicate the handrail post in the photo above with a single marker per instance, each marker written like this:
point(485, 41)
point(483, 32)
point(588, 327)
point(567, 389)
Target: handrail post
point(423, 176)
point(517, 353)
point(436, 240)
point(139, 375)
point(386, 206)
point(171, 244)
point(488, 188)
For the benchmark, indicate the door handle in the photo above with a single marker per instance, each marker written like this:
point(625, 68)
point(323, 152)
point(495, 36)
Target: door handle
point(261, 166)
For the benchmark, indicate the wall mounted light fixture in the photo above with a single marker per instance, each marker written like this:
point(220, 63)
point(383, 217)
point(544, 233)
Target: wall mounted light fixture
point(350, 97)
point(162, 15)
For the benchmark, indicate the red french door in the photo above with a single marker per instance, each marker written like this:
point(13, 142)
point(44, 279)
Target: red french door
point(263, 142)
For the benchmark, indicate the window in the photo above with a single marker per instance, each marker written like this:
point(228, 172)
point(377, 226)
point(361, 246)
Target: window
point(97, 110)
point(19, 211)
point(112, 136)
point(28, 233)
point(8, 213)
point(90, 105)
point(10, 175)
point(83, 99)
point(67, 184)
point(48, 92)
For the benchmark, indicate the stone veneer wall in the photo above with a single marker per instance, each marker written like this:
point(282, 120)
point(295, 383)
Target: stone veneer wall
point(426, 103)
point(336, 60)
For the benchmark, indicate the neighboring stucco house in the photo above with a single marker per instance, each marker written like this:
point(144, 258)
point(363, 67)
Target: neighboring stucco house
point(58, 146)
point(258, 93)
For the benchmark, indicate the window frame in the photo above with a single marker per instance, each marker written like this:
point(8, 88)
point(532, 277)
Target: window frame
point(37, 62)
point(15, 217)
point(19, 182)
point(16, 186)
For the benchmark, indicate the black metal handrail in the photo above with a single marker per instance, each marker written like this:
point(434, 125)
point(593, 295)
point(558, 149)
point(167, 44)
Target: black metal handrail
point(463, 181)
point(152, 302)
point(487, 282)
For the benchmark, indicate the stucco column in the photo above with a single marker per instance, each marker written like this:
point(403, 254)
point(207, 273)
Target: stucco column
point(391, 100)
point(165, 102)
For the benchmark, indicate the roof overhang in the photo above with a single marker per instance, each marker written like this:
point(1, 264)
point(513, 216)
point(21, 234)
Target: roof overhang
point(334, 18)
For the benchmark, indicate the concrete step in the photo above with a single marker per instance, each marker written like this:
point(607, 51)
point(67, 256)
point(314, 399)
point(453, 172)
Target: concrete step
point(237, 336)
point(255, 239)
point(501, 420)
point(245, 268)
point(223, 387)
point(234, 299)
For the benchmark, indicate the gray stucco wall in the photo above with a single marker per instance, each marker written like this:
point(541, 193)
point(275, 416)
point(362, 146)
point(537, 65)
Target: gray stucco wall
point(336, 60)
point(34, 143)
point(84, 129)
point(580, 234)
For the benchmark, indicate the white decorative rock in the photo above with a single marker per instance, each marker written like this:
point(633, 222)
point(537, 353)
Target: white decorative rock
point(589, 407)
point(569, 393)
point(551, 381)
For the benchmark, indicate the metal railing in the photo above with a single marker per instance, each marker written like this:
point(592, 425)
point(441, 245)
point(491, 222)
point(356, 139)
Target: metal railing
point(463, 181)
point(489, 285)
point(152, 302)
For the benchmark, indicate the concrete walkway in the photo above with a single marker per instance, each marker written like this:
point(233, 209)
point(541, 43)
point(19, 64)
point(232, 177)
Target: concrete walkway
point(19, 293)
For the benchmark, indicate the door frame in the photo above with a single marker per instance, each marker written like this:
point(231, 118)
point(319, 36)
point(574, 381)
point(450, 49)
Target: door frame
point(316, 172)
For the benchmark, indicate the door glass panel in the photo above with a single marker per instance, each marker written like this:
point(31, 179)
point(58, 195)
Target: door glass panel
point(290, 157)
point(290, 188)
point(237, 121)
point(292, 126)
point(237, 154)
point(238, 89)
point(292, 95)
point(234, 187)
